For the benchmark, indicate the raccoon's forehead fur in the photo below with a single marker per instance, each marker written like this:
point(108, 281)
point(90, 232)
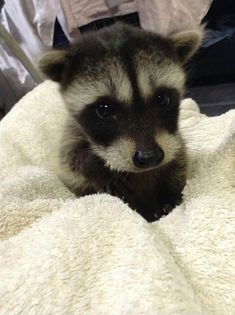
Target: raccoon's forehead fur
point(127, 68)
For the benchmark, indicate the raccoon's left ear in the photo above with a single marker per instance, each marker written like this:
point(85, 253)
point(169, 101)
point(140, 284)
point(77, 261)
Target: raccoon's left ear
point(186, 43)
point(53, 63)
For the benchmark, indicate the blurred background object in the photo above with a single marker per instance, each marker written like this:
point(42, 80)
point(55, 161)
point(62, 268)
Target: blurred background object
point(212, 69)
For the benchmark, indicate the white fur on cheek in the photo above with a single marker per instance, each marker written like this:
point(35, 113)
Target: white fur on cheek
point(170, 144)
point(119, 155)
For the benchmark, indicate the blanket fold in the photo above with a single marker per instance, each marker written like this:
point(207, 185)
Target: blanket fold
point(94, 255)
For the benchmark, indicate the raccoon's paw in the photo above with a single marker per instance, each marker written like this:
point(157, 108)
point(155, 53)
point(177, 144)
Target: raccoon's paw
point(171, 204)
point(120, 187)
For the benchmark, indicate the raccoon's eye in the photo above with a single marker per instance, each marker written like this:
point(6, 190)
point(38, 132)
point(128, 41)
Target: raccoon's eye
point(104, 111)
point(163, 100)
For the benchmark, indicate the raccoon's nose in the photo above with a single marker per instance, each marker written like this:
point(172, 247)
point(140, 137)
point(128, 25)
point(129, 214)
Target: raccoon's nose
point(145, 159)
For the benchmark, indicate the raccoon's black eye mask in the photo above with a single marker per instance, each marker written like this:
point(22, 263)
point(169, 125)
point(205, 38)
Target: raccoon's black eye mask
point(105, 108)
point(162, 99)
point(105, 111)
point(108, 110)
point(130, 71)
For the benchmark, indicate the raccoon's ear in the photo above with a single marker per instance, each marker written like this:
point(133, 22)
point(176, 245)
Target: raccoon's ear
point(186, 43)
point(53, 63)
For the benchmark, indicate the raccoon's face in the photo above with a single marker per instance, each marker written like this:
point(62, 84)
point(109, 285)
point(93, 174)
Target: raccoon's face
point(123, 86)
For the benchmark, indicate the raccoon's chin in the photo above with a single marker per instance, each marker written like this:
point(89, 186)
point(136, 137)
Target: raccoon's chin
point(145, 170)
point(132, 169)
point(149, 169)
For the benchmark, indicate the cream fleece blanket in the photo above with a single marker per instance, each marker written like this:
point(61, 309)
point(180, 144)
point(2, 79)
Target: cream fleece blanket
point(93, 255)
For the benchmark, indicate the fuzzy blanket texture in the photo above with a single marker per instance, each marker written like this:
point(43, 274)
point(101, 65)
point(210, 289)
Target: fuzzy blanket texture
point(93, 255)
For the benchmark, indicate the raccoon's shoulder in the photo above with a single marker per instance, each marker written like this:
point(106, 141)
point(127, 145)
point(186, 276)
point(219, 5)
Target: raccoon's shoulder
point(176, 171)
point(72, 142)
point(72, 137)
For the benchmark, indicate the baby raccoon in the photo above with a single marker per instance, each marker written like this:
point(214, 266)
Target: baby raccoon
point(122, 87)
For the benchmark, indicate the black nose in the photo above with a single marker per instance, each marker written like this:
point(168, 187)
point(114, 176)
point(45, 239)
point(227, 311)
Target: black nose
point(144, 159)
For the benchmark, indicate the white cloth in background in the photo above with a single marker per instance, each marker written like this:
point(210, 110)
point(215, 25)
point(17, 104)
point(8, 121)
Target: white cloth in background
point(31, 23)
point(169, 16)
point(162, 16)
point(16, 75)
point(82, 12)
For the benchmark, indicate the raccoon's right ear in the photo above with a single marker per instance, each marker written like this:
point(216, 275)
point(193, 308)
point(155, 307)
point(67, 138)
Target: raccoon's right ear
point(53, 63)
point(186, 43)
